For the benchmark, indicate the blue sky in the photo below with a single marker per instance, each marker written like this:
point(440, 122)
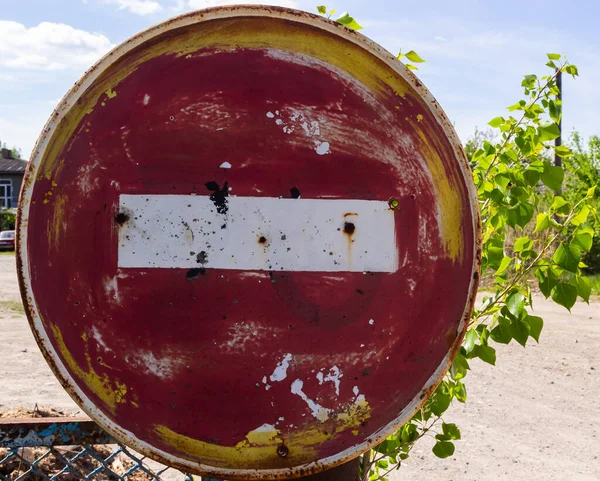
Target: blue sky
point(476, 51)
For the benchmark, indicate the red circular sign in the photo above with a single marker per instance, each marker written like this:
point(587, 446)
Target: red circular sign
point(247, 243)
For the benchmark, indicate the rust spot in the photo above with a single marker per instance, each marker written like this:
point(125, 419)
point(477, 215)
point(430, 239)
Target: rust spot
point(451, 335)
point(349, 228)
point(121, 218)
point(413, 196)
point(347, 214)
point(262, 239)
point(282, 450)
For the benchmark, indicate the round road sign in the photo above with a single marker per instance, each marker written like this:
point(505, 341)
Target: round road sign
point(248, 243)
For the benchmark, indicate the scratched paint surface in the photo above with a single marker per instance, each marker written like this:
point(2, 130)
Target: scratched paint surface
point(249, 369)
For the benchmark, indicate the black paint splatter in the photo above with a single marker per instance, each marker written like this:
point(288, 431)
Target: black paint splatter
point(202, 258)
point(194, 273)
point(295, 193)
point(219, 196)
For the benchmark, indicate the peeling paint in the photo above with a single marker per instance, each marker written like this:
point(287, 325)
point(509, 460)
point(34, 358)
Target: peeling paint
point(280, 372)
point(318, 411)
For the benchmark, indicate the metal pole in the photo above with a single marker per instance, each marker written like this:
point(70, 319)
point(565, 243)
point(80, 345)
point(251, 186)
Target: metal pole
point(346, 472)
point(558, 140)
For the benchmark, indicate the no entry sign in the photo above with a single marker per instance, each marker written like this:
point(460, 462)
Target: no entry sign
point(248, 243)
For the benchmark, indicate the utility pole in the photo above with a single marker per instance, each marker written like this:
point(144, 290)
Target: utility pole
point(558, 140)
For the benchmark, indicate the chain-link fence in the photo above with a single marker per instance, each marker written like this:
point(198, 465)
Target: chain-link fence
point(66, 449)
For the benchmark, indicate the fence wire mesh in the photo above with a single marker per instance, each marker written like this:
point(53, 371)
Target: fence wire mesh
point(106, 462)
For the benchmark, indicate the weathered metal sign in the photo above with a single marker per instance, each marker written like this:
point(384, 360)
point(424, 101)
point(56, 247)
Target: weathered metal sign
point(248, 243)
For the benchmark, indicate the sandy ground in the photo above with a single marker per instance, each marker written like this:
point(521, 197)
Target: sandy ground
point(533, 417)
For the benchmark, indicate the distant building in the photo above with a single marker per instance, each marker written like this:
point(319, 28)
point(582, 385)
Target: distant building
point(11, 177)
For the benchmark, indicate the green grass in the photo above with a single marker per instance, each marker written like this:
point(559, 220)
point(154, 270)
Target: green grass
point(7, 253)
point(14, 306)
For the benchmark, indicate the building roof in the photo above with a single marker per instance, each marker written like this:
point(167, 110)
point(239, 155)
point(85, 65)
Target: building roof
point(12, 166)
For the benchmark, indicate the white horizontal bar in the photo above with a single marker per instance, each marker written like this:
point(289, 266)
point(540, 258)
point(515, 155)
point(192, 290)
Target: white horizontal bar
point(257, 233)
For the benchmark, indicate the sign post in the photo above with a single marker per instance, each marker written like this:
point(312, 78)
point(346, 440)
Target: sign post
point(248, 243)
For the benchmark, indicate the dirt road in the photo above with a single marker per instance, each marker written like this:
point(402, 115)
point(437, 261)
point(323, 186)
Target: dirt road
point(534, 417)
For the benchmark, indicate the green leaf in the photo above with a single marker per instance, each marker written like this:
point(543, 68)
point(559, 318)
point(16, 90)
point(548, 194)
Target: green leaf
point(413, 57)
point(460, 392)
point(546, 283)
point(571, 70)
point(563, 151)
point(583, 240)
point(553, 56)
point(581, 216)
point(520, 332)
point(322, 9)
point(443, 449)
point(440, 401)
point(349, 22)
point(531, 176)
point(567, 257)
point(555, 112)
point(529, 81)
point(459, 367)
point(501, 333)
point(535, 326)
point(542, 222)
point(548, 131)
point(591, 192)
point(487, 354)
point(552, 176)
point(410, 66)
point(520, 214)
point(470, 340)
point(516, 304)
point(584, 288)
point(451, 431)
point(496, 122)
point(503, 265)
point(494, 253)
point(521, 244)
point(560, 205)
point(518, 106)
point(408, 433)
point(564, 295)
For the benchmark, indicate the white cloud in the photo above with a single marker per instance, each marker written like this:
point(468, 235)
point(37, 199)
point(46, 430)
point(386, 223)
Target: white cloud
point(49, 46)
point(197, 4)
point(139, 7)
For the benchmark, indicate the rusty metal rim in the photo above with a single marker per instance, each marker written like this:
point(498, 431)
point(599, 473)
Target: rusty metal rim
point(27, 294)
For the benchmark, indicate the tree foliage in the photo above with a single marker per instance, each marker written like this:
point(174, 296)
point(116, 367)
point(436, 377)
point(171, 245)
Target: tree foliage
point(582, 170)
point(531, 232)
point(15, 151)
point(7, 219)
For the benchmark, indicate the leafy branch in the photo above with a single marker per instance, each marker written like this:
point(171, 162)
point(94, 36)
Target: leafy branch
point(530, 233)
